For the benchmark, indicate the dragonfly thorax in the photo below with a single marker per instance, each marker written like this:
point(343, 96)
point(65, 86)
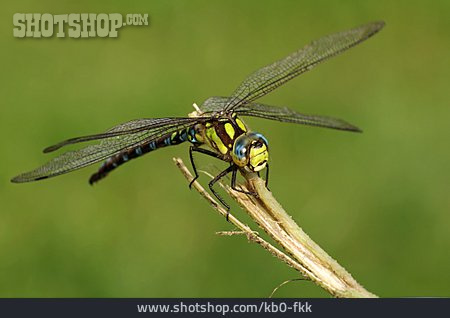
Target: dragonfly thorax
point(251, 150)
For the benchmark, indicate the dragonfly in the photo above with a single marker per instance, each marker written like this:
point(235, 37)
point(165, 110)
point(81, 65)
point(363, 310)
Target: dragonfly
point(217, 130)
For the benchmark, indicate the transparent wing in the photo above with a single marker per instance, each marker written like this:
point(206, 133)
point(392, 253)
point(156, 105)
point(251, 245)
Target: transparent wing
point(215, 104)
point(270, 77)
point(287, 115)
point(114, 141)
point(283, 114)
point(128, 128)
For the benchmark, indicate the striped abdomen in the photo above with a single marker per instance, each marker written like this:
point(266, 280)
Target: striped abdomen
point(175, 138)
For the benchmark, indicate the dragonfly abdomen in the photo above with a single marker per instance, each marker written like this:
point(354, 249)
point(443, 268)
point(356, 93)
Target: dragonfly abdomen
point(175, 138)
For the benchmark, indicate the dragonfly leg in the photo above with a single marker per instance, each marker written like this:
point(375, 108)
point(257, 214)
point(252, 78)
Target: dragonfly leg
point(191, 156)
point(233, 185)
point(267, 176)
point(217, 178)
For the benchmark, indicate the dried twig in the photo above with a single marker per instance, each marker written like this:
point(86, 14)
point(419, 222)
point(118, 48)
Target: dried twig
point(251, 235)
point(302, 253)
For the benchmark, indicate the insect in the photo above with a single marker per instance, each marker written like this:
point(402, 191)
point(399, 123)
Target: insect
point(217, 131)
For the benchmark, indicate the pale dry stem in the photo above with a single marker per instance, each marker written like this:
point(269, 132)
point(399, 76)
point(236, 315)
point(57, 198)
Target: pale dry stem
point(302, 253)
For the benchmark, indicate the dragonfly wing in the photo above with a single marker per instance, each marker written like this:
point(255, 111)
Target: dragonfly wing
point(270, 77)
point(214, 104)
point(129, 127)
point(136, 132)
point(283, 114)
point(287, 115)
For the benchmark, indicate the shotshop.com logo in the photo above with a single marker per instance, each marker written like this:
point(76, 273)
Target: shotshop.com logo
point(73, 25)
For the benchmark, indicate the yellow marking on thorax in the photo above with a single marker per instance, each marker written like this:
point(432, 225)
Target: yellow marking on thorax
point(199, 137)
point(241, 124)
point(214, 139)
point(230, 130)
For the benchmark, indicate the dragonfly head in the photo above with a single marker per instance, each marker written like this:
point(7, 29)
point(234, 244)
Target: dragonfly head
point(251, 150)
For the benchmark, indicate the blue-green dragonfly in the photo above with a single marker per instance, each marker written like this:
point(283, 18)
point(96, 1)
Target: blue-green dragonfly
point(217, 130)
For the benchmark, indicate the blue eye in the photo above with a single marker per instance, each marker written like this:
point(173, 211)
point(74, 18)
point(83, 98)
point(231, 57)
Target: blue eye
point(260, 136)
point(240, 150)
point(247, 145)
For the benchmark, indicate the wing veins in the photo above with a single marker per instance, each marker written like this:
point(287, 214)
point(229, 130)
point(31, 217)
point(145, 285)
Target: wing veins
point(158, 122)
point(276, 74)
point(76, 159)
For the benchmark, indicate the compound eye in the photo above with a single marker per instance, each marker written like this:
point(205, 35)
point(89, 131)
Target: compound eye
point(242, 151)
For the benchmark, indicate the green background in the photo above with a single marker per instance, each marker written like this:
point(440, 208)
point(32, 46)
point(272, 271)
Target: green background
point(378, 202)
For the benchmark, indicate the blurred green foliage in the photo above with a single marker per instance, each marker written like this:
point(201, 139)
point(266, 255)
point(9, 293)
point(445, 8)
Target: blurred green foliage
point(378, 202)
